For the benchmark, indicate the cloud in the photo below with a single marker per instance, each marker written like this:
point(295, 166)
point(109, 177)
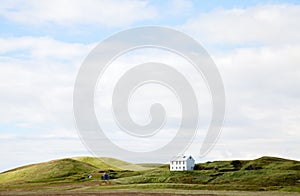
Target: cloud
point(22, 150)
point(28, 47)
point(37, 77)
point(182, 7)
point(256, 50)
point(88, 12)
point(262, 102)
point(271, 24)
point(36, 87)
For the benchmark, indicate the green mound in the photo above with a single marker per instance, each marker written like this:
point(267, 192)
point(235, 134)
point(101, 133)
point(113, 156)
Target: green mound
point(66, 170)
point(53, 171)
point(272, 163)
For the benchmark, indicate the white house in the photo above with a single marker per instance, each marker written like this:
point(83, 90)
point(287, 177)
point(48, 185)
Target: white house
point(181, 163)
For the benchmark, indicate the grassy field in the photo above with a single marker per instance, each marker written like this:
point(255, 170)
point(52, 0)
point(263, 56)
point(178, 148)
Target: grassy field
point(262, 175)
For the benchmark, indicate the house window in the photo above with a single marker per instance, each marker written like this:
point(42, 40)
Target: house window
point(172, 167)
point(176, 167)
point(179, 162)
point(179, 167)
point(183, 168)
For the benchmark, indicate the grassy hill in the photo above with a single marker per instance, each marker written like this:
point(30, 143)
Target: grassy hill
point(266, 173)
point(63, 170)
point(150, 165)
point(96, 162)
point(114, 164)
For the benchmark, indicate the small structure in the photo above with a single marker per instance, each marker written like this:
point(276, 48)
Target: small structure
point(90, 176)
point(105, 176)
point(182, 163)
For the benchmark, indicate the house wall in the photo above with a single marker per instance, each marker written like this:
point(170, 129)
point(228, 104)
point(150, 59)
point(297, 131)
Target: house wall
point(190, 164)
point(182, 165)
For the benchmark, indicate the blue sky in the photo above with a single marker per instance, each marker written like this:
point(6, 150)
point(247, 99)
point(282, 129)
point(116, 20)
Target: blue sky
point(255, 45)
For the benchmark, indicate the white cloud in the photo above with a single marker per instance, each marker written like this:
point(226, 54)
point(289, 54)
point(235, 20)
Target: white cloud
point(270, 24)
point(42, 48)
point(181, 7)
point(262, 102)
point(37, 77)
point(257, 52)
point(146, 95)
point(260, 80)
point(260, 70)
point(36, 89)
point(19, 151)
point(67, 12)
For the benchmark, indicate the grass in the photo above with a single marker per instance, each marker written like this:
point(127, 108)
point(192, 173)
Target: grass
point(263, 174)
point(114, 164)
point(53, 171)
point(96, 162)
point(265, 171)
point(123, 165)
point(150, 165)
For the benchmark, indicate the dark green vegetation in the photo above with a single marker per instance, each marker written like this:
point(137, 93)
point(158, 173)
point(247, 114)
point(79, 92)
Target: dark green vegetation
point(263, 174)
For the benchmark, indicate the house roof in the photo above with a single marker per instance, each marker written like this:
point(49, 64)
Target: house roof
point(181, 158)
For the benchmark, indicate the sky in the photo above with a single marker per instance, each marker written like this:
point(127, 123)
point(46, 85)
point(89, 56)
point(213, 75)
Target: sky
point(254, 44)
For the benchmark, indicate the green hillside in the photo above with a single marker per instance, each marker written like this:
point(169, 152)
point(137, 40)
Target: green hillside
point(263, 174)
point(266, 173)
point(106, 163)
point(65, 170)
point(96, 162)
point(150, 165)
point(53, 171)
